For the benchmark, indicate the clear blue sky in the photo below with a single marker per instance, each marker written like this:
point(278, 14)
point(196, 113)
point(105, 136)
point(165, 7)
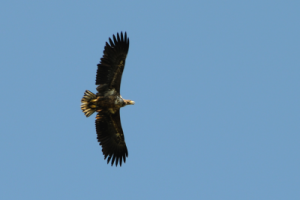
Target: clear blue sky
point(216, 86)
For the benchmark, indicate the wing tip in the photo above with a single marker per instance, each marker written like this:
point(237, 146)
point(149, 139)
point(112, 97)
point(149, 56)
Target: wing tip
point(120, 38)
point(117, 158)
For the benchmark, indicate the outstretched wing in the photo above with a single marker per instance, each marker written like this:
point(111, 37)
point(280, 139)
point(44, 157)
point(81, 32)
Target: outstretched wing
point(111, 137)
point(112, 63)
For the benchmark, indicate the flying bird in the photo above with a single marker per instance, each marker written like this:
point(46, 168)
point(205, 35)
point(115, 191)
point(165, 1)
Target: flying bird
point(108, 101)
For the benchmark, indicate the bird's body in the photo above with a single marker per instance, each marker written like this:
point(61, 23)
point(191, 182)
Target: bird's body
point(108, 101)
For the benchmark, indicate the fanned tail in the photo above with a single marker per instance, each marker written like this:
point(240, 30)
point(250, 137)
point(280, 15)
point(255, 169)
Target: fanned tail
point(88, 103)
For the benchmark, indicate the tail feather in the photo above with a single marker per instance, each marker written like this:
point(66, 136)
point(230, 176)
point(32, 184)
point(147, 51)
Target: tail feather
point(88, 103)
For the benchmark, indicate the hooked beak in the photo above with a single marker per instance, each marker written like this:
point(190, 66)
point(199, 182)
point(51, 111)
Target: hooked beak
point(129, 102)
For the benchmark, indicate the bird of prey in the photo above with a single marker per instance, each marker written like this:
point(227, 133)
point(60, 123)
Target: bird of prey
point(108, 101)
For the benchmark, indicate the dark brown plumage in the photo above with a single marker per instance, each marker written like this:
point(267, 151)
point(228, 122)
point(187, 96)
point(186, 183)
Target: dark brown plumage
point(108, 101)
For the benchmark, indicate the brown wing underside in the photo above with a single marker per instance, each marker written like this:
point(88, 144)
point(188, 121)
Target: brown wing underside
point(110, 136)
point(112, 63)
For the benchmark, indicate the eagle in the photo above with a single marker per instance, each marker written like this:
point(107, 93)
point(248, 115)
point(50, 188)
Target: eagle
point(108, 101)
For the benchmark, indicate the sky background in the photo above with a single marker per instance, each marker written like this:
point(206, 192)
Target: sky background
point(216, 86)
